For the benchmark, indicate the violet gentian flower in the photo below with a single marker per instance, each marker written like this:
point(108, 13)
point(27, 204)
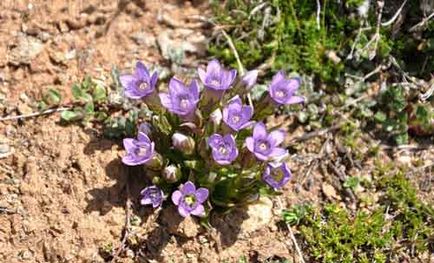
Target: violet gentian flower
point(236, 115)
point(264, 145)
point(216, 77)
point(140, 84)
point(282, 90)
point(189, 200)
point(152, 195)
point(139, 151)
point(181, 100)
point(249, 79)
point(276, 175)
point(224, 148)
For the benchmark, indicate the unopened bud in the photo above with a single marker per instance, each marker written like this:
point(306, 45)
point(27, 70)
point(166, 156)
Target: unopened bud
point(183, 143)
point(156, 163)
point(216, 117)
point(145, 128)
point(171, 173)
point(249, 79)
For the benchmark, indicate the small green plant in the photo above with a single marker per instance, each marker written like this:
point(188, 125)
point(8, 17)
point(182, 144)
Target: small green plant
point(401, 225)
point(296, 214)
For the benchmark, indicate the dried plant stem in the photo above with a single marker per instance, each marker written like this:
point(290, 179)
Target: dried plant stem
point(127, 223)
point(291, 234)
point(387, 23)
point(34, 114)
point(234, 50)
point(421, 23)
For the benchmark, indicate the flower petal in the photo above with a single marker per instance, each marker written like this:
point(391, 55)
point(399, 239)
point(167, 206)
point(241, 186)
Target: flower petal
point(145, 201)
point(132, 160)
point(194, 89)
point(141, 71)
point(127, 80)
point(199, 211)
point(166, 101)
point(261, 156)
point(188, 188)
point(278, 152)
point(295, 100)
point(202, 74)
point(293, 84)
point(154, 79)
point(176, 86)
point(259, 131)
point(202, 194)
point(176, 197)
point(214, 140)
point(213, 67)
point(143, 137)
point(129, 144)
point(133, 94)
point(276, 137)
point(182, 211)
point(250, 143)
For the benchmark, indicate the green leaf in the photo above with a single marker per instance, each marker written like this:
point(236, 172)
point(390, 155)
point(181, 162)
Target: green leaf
point(69, 116)
point(77, 93)
point(257, 91)
point(380, 117)
point(52, 97)
point(99, 93)
point(89, 108)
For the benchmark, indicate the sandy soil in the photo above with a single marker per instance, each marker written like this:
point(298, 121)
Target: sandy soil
point(64, 194)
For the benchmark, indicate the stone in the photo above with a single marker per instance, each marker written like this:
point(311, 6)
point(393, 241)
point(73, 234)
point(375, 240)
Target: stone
point(329, 191)
point(259, 215)
point(26, 49)
point(177, 225)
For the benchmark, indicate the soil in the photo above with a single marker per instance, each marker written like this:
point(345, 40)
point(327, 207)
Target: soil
point(64, 194)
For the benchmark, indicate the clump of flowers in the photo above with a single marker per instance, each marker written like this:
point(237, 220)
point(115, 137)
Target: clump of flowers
point(205, 143)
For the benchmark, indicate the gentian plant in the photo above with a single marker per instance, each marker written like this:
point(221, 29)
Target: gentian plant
point(205, 144)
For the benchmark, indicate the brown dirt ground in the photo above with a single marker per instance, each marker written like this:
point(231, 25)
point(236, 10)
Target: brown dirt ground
point(63, 190)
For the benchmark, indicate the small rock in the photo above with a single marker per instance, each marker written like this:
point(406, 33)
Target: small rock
point(404, 159)
point(26, 49)
point(177, 225)
point(26, 255)
point(23, 108)
point(259, 215)
point(329, 191)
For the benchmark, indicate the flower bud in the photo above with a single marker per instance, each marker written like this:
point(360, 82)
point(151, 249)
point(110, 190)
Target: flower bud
point(183, 143)
point(156, 163)
point(145, 128)
point(249, 79)
point(171, 173)
point(216, 117)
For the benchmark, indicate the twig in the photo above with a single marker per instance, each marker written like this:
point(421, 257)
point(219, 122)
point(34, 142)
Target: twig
point(405, 147)
point(421, 23)
point(318, 13)
point(34, 114)
point(316, 133)
point(127, 223)
point(395, 16)
point(7, 210)
point(234, 50)
point(291, 234)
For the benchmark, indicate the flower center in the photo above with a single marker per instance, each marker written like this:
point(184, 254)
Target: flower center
point(277, 175)
point(215, 82)
point(183, 103)
point(235, 119)
point(190, 200)
point(263, 146)
point(143, 85)
point(281, 93)
point(223, 150)
point(141, 151)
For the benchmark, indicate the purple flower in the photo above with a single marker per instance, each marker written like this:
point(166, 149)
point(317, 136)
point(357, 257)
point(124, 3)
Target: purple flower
point(140, 84)
point(181, 100)
point(236, 115)
point(276, 175)
point(249, 79)
point(224, 148)
point(139, 151)
point(189, 200)
point(216, 77)
point(152, 195)
point(264, 145)
point(282, 90)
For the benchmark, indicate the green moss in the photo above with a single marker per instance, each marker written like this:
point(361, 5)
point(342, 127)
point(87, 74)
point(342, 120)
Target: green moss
point(401, 225)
